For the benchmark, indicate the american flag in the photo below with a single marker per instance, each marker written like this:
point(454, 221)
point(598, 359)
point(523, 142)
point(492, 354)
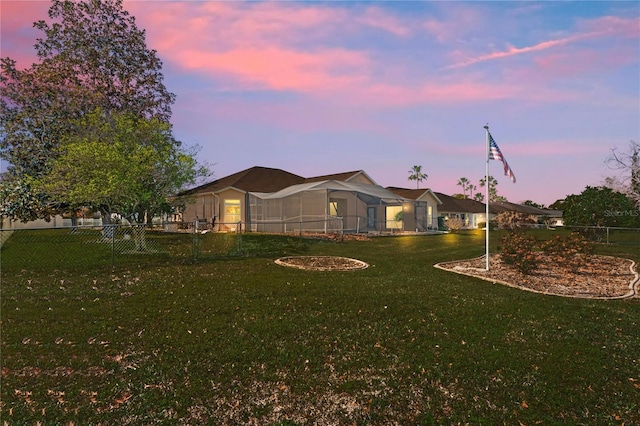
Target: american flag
point(496, 154)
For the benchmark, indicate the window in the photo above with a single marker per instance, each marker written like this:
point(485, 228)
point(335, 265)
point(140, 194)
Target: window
point(231, 211)
point(337, 207)
point(394, 217)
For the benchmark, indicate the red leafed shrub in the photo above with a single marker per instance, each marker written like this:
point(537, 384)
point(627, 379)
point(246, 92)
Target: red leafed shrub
point(517, 249)
point(570, 251)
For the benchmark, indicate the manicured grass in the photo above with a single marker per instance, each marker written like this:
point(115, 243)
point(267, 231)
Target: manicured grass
point(240, 340)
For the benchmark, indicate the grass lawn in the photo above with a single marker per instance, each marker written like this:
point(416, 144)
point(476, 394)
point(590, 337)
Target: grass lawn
point(224, 340)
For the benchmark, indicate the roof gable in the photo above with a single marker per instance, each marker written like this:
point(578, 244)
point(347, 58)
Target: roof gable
point(254, 179)
point(415, 194)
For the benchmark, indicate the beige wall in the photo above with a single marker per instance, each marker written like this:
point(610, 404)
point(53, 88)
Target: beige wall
point(202, 207)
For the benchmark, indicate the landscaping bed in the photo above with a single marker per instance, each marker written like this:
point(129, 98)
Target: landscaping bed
point(597, 277)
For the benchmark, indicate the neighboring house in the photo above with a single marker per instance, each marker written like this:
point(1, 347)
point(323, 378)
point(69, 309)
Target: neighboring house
point(273, 200)
point(470, 212)
point(550, 217)
point(224, 201)
point(425, 208)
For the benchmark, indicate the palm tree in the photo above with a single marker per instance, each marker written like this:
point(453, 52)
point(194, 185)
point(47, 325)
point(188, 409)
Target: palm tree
point(416, 174)
point(467, 187)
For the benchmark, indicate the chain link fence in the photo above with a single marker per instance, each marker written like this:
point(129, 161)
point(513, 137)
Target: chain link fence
point(598, 234)
point(127, 245)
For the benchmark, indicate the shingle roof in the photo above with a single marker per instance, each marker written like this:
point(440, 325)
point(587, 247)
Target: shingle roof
point(502, 206)
point(264, 179)
point(459, 205)
point(412, 194)
point(254, 179)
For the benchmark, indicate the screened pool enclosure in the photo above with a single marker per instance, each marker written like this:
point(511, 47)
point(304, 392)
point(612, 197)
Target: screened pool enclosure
point(336, 206)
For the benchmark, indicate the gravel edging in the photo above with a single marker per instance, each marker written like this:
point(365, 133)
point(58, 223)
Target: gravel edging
point(322, 263)
point(633, 285)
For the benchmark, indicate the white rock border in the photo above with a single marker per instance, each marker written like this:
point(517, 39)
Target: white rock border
point(358, 264)
point(633, 285)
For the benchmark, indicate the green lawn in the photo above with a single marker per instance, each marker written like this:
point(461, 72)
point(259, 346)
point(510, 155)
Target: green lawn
point(240, 340)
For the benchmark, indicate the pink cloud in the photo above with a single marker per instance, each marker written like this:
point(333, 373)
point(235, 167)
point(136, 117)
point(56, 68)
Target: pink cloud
point(602, 27)
point(277, 69)
point(513, 51)
point(613, 26)
point(220, 26)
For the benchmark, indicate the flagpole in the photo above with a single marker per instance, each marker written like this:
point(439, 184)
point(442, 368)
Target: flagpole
point(486, 183)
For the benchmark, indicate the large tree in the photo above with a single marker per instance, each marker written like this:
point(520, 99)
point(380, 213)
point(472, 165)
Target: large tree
point(628, 162)
point(600, 207)
point(119, 163)
point(92, 56)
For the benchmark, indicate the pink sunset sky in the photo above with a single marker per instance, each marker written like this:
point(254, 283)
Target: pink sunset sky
point(326, 87)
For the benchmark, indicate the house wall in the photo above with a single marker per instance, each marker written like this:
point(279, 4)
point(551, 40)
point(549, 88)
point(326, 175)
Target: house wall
point(470, 220)
point(56, 221)
point(207, 206)
point(409, 216)
point(354, 208)
point(432, 202)
point(202, 207)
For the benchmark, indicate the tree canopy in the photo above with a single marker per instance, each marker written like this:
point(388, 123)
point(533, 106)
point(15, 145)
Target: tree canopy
point(92, 57)
point(600, 207)
point(628, 162)
point(119, 163)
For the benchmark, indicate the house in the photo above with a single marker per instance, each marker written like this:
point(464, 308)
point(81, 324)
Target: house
point(551, 217)
point(470, 212)
point(273, 200)
point(427, 205)
point(224, 201)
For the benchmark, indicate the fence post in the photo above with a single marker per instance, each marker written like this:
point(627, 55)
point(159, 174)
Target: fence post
point(607, 235)
point(113, 245)
point(196, 242)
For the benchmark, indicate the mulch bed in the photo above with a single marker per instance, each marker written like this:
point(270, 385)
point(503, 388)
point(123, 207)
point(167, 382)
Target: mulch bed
point(322, 263)
point(598, 276)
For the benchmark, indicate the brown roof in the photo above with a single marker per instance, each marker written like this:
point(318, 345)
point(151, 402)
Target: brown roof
point(459, 205)
point(255, 179)
point(264, 179)
point(411, 194)
point(502, 206)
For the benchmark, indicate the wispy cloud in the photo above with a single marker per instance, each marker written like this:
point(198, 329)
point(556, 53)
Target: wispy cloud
point(602, 27)
point(513, 51)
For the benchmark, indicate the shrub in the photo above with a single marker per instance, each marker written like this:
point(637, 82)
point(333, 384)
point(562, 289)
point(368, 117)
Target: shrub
point(455, 224)
point(570, 251)
point(517, 249)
